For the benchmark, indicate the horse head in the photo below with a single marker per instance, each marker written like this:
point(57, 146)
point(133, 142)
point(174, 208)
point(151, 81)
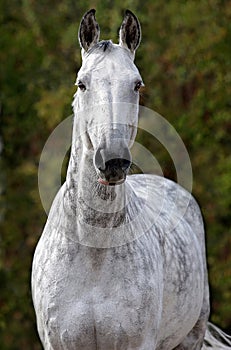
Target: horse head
point(108, 96)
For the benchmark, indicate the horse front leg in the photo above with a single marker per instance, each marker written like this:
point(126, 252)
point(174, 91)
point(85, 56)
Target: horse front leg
point(195, 338)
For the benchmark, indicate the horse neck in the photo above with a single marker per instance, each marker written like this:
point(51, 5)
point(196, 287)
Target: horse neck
point(94, 202)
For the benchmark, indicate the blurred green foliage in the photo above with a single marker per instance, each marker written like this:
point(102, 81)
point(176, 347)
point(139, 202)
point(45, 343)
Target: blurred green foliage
point(184, 59)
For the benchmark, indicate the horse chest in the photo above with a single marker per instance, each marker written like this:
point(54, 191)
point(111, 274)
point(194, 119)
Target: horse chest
point(105, 298)
point(105, 323)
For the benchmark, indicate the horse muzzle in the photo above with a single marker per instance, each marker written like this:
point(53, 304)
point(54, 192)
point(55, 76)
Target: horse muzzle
point(113, 171)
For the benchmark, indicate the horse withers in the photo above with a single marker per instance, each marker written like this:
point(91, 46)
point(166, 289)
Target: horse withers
point(118, 266)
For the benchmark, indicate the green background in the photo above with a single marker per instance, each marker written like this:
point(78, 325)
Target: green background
point(184, 59)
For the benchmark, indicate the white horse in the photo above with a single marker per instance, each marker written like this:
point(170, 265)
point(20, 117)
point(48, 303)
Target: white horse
point(118, 265)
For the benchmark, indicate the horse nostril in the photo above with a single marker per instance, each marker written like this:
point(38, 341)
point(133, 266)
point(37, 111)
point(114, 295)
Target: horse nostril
point(126, 160)
point(125, 164)
point(99, 162)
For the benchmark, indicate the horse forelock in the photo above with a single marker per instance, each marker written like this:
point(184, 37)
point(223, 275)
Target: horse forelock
point(104, 45)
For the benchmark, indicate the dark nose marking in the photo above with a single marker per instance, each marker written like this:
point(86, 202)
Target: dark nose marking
point(113, 165)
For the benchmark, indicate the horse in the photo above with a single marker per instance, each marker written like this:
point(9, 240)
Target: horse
point(118, 266)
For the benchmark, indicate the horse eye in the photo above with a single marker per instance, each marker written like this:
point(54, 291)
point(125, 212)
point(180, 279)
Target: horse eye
point(138, 85)
point(81, 86)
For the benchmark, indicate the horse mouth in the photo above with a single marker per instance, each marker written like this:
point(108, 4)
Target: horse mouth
point(111, 182)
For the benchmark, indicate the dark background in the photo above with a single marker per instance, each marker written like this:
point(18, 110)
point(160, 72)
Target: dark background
point(184, 59)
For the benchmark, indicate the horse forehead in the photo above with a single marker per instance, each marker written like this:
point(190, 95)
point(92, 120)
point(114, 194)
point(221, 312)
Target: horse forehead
point(114, 64)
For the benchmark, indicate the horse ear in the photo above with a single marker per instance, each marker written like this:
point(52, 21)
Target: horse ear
point(130, 32)
point(88, 31)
